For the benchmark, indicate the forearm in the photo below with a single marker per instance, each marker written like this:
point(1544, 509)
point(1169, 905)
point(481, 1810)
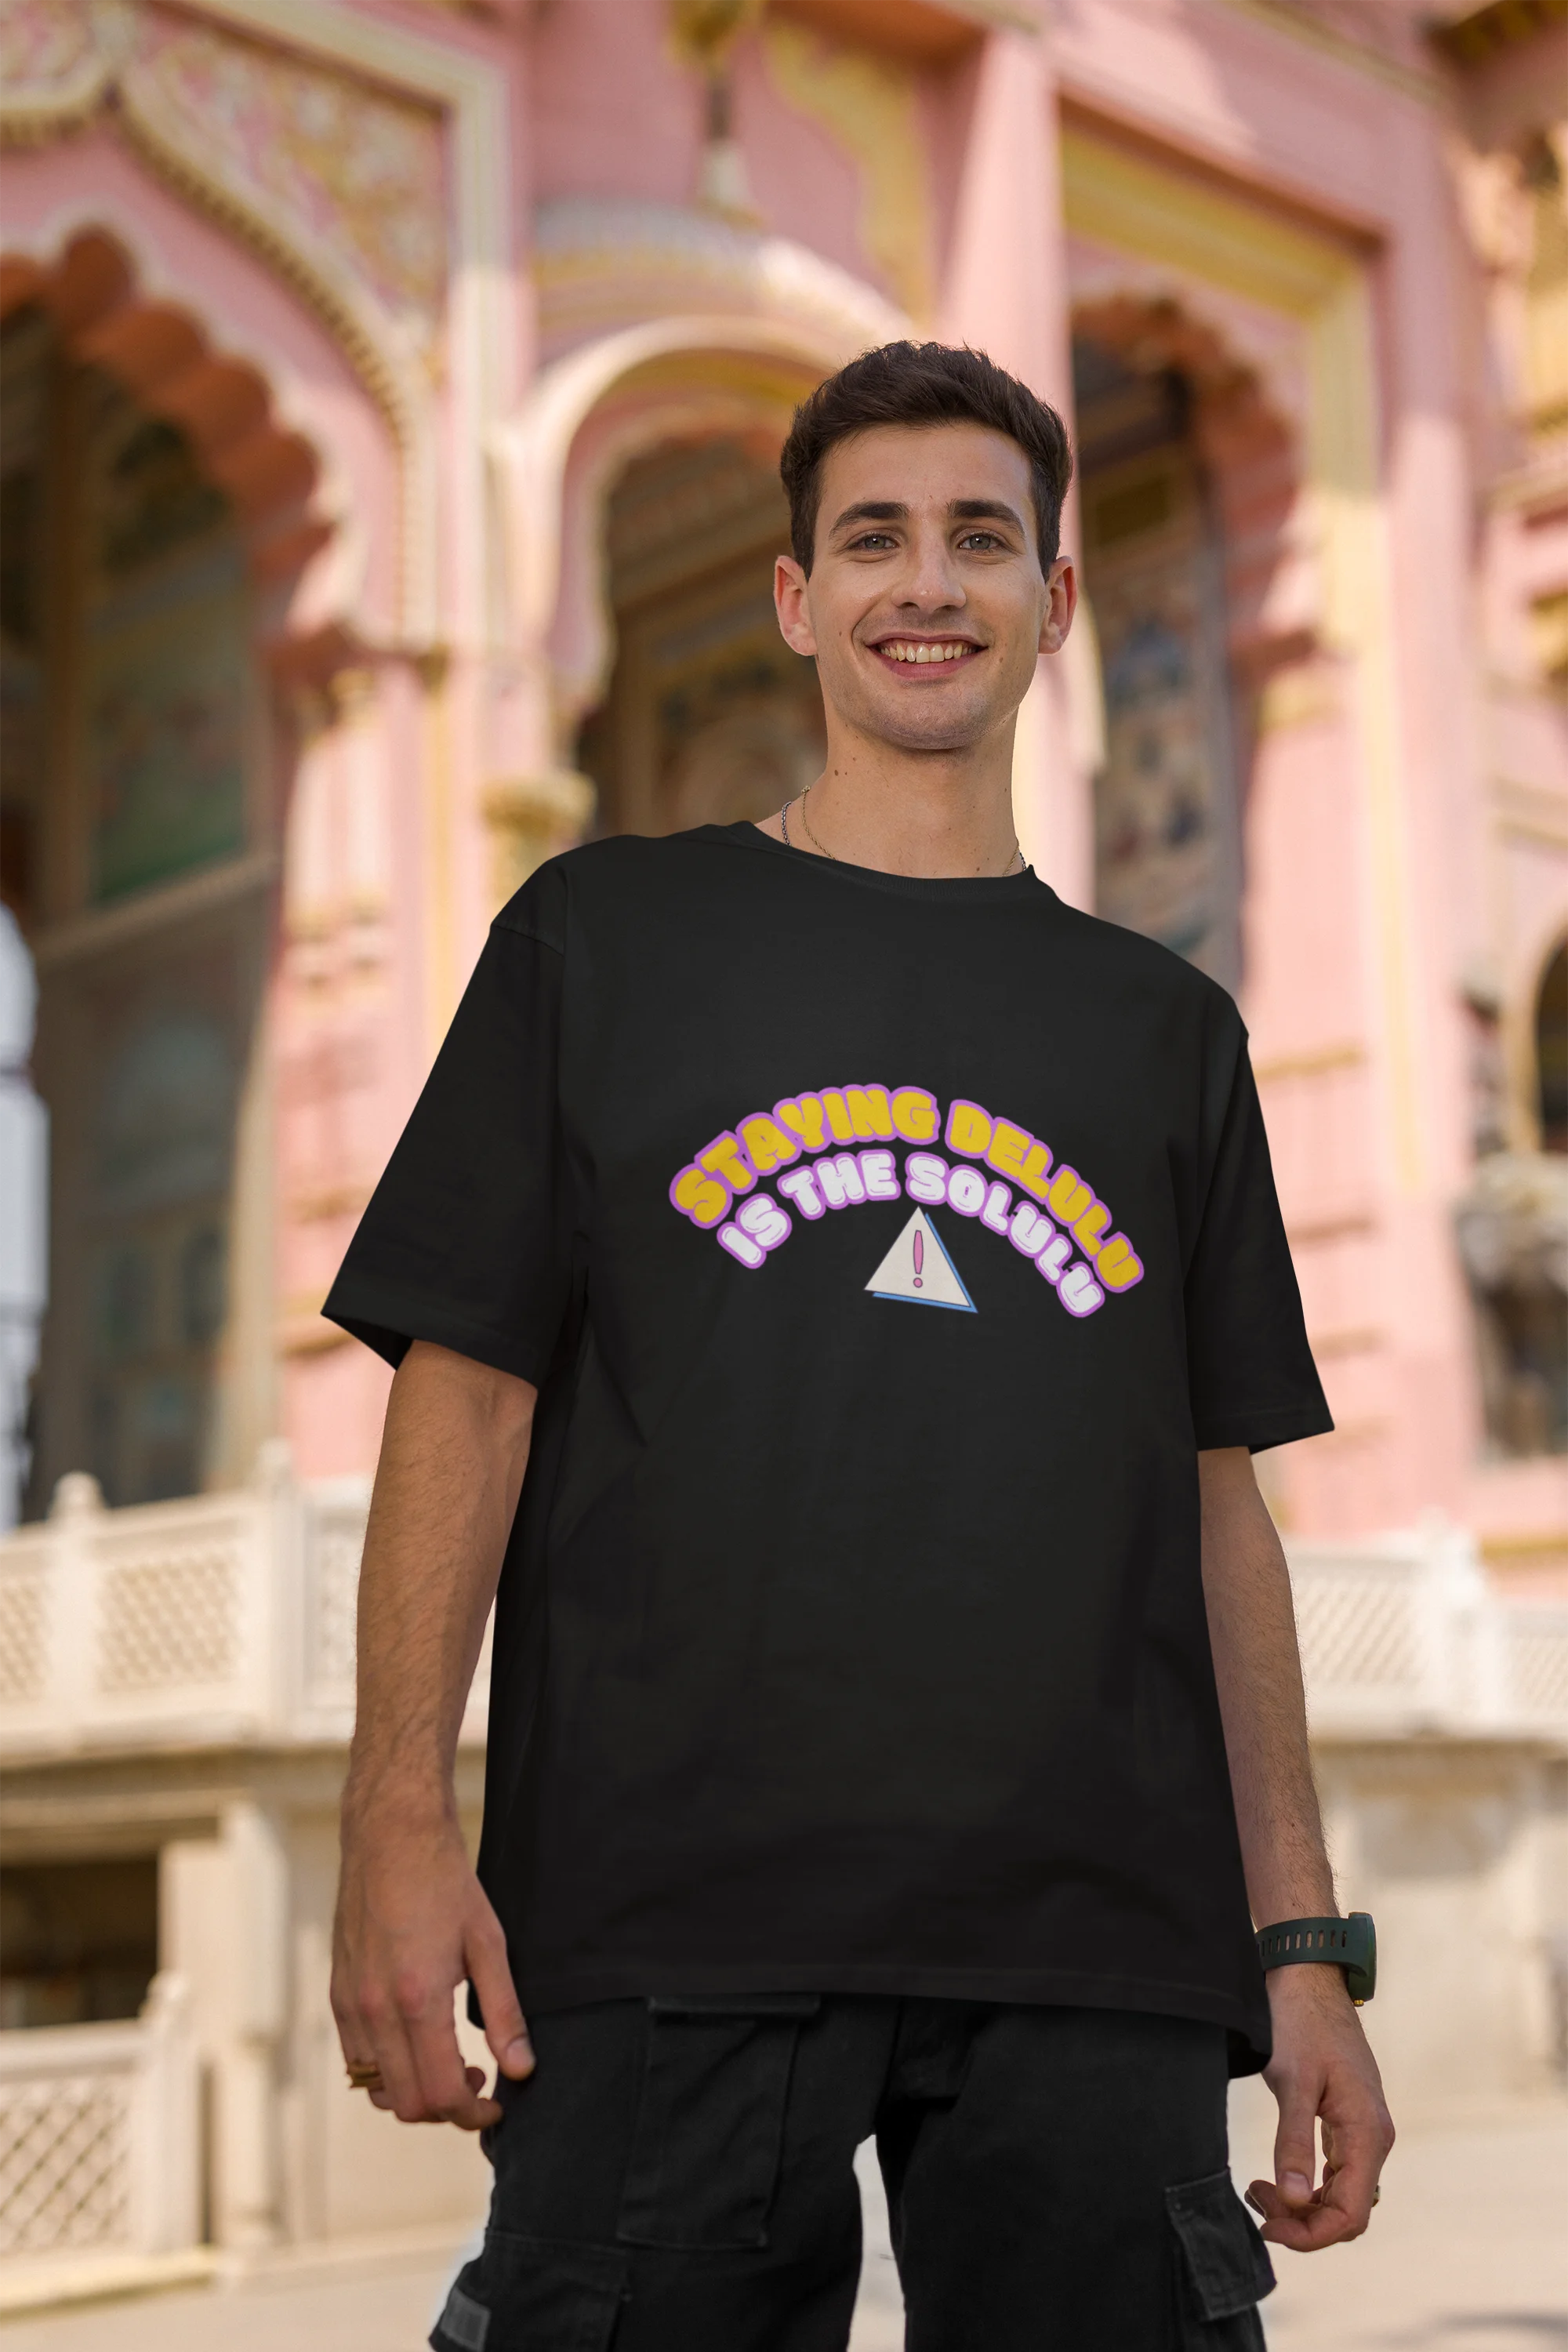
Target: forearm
point(452, 1460)
point(1258, 1668)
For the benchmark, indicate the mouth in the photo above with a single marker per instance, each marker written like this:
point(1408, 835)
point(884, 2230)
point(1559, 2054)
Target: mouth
point(925, 655)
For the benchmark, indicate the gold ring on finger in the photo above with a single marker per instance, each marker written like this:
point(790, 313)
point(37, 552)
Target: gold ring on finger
point(1377, 2193)
point(364, 2075)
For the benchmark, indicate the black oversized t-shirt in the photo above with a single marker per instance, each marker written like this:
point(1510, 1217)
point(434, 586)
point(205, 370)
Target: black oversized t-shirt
point(884, 1250)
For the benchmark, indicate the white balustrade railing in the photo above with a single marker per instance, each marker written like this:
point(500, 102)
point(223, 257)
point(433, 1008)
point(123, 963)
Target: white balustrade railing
point(230, 1618)
point(219, 1620)
point(100, 2135)
point(1403, 1633)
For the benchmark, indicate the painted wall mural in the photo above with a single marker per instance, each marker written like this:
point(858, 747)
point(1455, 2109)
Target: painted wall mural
point(1166, 858)
point(167, 678)
point(164, 664)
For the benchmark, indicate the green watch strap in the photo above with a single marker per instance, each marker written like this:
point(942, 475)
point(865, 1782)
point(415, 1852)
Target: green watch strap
point(1349, 1944)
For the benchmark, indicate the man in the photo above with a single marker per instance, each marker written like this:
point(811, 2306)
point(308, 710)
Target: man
point(867, 1271)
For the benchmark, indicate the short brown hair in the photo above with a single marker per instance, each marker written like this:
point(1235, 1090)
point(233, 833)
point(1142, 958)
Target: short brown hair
point(923, 384)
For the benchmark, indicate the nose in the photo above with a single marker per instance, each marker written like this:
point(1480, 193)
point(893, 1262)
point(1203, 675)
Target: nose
point(932, 583)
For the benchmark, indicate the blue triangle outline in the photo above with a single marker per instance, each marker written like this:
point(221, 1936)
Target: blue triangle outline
point(902, 1298)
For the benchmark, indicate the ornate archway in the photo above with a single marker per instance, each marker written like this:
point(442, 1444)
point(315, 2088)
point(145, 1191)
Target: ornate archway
point(767, 320)
point(163, 357)
point(158, 515)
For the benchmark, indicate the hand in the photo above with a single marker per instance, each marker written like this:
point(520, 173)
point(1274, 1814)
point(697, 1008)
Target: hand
point(412, 1923)
point(1322, 2067)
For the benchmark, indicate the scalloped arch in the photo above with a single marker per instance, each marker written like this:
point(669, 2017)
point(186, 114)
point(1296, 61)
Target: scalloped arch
point(164, 357)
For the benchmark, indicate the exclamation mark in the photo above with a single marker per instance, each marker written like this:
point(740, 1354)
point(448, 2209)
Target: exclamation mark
point(920, 1257)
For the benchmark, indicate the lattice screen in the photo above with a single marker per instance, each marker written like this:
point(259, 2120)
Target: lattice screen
point(170, 1620)
point(1357, 1629)
point(1539, 1670)
point(24, 1626)
point(65, 2163)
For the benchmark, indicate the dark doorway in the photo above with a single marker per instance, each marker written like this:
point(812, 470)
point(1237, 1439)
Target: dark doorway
point(709, 717)
point(78, 1940)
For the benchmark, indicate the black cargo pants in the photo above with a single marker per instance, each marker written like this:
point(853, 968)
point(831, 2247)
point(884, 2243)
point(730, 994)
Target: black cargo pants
point(678, 2177)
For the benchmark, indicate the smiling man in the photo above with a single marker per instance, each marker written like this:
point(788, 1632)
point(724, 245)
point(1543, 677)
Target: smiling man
point(866, 1272)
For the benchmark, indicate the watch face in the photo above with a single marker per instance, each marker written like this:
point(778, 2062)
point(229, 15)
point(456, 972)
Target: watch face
point(1361, 1973)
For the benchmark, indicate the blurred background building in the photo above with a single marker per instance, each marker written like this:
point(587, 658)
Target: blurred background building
point(390, 400)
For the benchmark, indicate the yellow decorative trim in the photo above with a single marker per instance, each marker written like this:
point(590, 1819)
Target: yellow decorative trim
point(1532, 814)
point(1297, 25)
point(1359, 1342)
point(1299, 698)
point(870, 106)
point(36, 106)
point(531, 818)
point(1347, 1055)
point(1547, 1544)
point(1325, 1230)
point(1198, 229)
point(705, 31)
point(339, 1200)
point(437, 806)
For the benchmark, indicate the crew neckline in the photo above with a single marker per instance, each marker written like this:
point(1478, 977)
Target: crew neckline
point(745, 834)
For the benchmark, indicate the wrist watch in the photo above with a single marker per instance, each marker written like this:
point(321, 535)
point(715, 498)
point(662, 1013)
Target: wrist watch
point(1348, 1944)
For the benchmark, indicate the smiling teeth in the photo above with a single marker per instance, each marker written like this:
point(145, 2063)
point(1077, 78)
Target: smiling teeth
point(910, 651)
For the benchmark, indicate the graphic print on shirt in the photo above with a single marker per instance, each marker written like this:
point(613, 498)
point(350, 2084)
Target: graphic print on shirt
point(919, 1269)
point(797, 1145)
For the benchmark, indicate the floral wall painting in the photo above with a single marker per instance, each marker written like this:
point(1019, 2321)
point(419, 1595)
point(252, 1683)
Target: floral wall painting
point(166, 699)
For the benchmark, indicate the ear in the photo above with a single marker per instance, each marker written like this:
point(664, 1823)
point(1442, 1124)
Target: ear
point(1061, 592)
point(792, 605)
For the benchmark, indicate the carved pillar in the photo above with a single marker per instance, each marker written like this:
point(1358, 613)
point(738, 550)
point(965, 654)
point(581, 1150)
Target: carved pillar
point(1006, 292)
point(249, 2184)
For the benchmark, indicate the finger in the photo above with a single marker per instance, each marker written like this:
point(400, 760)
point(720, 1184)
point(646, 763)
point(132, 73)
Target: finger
point(489, 1973)
point(399, 2093)
point(445, 2089)
point(1353, 2185)
point(356, 2040)
point(1302, 2228)
point(1295, 2142)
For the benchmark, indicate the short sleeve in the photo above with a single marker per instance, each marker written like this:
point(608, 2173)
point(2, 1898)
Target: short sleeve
point(1250, 1372)
point(466, 1240)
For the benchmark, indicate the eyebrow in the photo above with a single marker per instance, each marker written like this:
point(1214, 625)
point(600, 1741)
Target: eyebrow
point(959, 511)
point(872, 510)
point(984, 510)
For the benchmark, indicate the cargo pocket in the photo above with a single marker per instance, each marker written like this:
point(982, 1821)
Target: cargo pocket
point(710, 2126)
point(1224, 2271)
point(549, 2294)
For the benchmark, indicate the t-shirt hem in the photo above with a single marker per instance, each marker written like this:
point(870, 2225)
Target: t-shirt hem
point(1259, 1431)
point(552, 1989)
point(389, 1320)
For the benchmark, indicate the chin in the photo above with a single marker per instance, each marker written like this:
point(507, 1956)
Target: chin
point(916, 730)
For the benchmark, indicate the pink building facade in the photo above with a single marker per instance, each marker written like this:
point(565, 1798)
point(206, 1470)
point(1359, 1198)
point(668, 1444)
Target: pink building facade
point(391, 401)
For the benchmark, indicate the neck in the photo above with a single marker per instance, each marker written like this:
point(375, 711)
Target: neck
point(935, 815)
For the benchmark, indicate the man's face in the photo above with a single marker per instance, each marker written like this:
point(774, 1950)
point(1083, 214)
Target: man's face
point(926, 607)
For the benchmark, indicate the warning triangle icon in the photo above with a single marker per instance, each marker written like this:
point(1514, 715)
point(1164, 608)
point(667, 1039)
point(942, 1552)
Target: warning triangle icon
point(918, 1270)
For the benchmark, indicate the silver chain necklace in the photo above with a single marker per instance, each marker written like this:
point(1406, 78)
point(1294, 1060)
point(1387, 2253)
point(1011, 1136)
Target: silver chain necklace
point(823, 850)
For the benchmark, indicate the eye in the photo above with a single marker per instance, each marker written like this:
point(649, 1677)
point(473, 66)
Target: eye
point(872, 539)
point(981, 539)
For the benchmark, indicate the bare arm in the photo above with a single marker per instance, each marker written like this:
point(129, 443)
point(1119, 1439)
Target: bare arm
point(1321, 2065)
point(412, 1921)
